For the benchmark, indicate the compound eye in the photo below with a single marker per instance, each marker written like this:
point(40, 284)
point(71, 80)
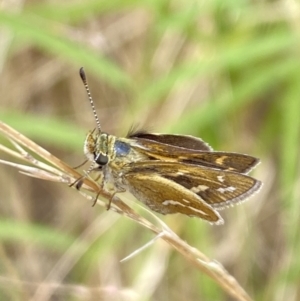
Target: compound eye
point(101, 159)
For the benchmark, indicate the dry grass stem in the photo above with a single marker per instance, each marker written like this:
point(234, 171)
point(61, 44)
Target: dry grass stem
point(56, 170)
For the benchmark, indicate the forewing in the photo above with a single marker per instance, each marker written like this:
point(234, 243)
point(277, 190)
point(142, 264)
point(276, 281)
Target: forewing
point(218, 189)
point(220, 160)
point(185, 141)
point(235, 162)
point(166, 196)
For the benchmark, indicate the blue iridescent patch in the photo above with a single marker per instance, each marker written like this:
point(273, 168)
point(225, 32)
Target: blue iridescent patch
point(121, 148)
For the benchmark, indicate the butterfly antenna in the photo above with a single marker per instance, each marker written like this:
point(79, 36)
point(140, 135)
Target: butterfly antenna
point(84, 80)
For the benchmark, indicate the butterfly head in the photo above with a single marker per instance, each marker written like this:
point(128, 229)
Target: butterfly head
point(96, 147)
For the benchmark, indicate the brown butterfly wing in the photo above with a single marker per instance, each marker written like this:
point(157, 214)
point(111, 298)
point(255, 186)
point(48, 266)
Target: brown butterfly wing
point(166, 196)
point(185, 141)
point(219, 160)
point(219, 189)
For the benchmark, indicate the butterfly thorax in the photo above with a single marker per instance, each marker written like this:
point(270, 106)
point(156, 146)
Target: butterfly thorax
point(105, 149)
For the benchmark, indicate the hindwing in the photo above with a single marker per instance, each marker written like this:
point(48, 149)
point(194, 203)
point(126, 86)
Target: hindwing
point(166, 196)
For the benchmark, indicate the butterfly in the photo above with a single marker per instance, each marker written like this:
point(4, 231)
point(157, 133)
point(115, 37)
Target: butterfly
point(170, 173)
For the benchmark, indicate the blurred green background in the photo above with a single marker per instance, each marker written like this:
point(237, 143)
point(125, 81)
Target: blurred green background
point(226, 71)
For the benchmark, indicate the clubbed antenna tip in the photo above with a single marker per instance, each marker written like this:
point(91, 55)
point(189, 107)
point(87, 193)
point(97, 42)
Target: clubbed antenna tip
point(82, 74)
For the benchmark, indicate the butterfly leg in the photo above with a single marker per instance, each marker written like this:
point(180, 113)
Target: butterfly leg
point(113, 195)
point(78, 182)
point(85, 161)
point(101, 186)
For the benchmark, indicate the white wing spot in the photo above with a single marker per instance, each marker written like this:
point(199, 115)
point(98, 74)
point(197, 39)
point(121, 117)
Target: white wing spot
point(220, 178)
point(227, 189)
point(199, 188)
point(171, 202)
point(186, 201)
point(197, 210)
